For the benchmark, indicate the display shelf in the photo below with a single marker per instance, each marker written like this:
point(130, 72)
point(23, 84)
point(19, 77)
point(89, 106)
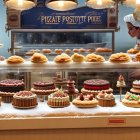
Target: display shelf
point(71, 66)
point(44, 117)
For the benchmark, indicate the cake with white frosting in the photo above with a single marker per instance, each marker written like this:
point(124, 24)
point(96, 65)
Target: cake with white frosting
point(105, 99)
point(121, 82)
point(24, 99)
point(135, 87)
point(58, 99)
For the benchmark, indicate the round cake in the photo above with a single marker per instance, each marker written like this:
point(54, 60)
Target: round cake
point(9, 87)
point(135, 87)
point(85, 101)
point(24, 99)
point(131, 100)
point(58, 99)
point(105, 99)
point(43, 88)
point(94, 86)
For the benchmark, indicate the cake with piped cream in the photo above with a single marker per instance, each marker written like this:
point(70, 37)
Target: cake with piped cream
point(24, 99)
point(135, 87)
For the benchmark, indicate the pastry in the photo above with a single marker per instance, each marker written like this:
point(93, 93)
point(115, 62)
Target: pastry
point(71, 90)
point(77, 57)
point(9, 87)
point(132, 51)
point(103, 50)
point(75, 50)
point(90, 50)
point(38, 58)
point(94, 86)
point(82, 50)
point(58, 99)
point(138, 56)
point(135, 87)
point(105, 99)
point(119, 58)
point(15, 60)
point(131, 100)
point(24, 99)
point(94, 58)
point(121, 82)
point(63, 58)
point(67, 51)
point(137, 47)
point(43, 88)
point(46, 51)
point(85, 101)
point(58, 51)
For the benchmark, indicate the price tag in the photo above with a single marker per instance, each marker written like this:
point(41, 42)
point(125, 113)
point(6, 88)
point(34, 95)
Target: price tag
point(116, 121)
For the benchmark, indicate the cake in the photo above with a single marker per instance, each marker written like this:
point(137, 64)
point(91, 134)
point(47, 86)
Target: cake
point(131, 100)
point(77, 57)
point(43, 88)
point(15, 60)
point(2, 58)
point(94, 86)
point(75, 50)
point(24, 99)
point(67, 51)
point(82, 50)
point(135, 87)
point(38, 58)
point(58, 51)
point(105, 99)
point(85, 101)
point(121, 82)
point(94, 58)
point(90, 50)
point(63, 58)
point(120, 58)
point(58, 99)
point(9, 87)
point(71, 90)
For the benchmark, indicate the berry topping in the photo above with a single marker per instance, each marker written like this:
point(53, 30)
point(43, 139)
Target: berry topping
point(91, 97)
point(81, 97)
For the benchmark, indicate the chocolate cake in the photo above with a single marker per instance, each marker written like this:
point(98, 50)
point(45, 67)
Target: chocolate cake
point(9, 87)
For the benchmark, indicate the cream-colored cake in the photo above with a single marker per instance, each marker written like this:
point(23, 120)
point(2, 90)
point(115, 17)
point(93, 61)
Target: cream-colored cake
point(121, 82)
point(135, 87)
point(58, 99)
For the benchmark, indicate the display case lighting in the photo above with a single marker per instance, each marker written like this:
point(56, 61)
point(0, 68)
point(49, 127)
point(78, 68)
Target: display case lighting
point(61, 5)
point(20, 4)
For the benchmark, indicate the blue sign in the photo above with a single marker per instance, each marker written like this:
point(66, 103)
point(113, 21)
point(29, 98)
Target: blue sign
point(80, 18)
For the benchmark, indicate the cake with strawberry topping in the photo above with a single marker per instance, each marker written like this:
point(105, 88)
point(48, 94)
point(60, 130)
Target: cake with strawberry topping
point(43, 88)
point(135, 87)
point(9, 87)
point(24, 99)
point(85, 101)
point(94, 86)
point(105, 99)
point(131, 100)
point(58, 99)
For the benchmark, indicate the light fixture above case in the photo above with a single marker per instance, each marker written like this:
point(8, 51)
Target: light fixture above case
point(61, 5)
point(20, 4)
point(100, 4)
point(132, 3)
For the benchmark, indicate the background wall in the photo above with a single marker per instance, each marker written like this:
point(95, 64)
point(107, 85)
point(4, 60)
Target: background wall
point(123, 40)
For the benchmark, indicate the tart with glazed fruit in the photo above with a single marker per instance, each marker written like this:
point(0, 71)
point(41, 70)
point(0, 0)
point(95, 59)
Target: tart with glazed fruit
point(85, 101)
point(131, 100)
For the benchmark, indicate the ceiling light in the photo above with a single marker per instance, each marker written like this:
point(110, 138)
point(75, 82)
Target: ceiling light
point(20, 4)
point(62, 5)
point(100, 4)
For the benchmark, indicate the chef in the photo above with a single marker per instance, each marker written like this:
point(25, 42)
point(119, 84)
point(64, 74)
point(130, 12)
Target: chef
point(133, 25)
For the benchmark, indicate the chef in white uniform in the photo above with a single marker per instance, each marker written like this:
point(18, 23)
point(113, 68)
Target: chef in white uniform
point(133, 25)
